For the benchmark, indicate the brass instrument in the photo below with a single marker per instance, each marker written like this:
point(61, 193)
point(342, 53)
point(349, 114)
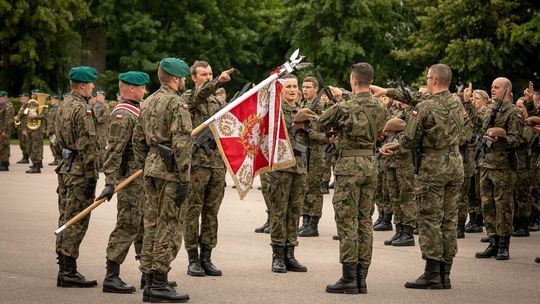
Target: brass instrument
point(34, 109)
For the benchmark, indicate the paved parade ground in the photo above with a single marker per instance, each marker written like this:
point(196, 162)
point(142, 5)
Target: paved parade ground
point(29, 214)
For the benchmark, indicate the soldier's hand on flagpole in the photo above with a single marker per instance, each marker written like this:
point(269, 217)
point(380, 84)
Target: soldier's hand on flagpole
point(225, 76)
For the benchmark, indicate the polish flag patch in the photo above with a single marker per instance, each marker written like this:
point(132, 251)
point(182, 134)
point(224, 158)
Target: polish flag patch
point(88, 112)
point(118, 116)
point(414, 113)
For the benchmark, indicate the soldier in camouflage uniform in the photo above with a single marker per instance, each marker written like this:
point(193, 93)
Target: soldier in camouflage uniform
point(359, 122)
point(313, 199)
point(286, 188)
point(435, 127)
point(120, 164)
point(207, 174)
point(6, 120)
point(497, 165)
point(532, 101)
point(22, 132)
point(329, 159)
point(51, 117)
point(102, 111)
point(35, 137)
point(162, 142)
point(75, 132)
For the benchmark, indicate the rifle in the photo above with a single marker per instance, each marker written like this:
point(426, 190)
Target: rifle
point(417, 152)
point(205, 140)
point(484, 145)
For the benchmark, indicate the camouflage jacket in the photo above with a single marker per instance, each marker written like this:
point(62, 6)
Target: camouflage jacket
point(51, 117)
point(402, 157)
point(75, 130)
point(119, 158)
point(359, 121)
point(22, 117)
point(202, 105)
point(164, 120)
point(6, 118)
point(510, 119)
point(297, 137)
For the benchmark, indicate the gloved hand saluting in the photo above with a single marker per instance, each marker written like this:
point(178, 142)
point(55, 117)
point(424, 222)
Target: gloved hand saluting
point(107, 192)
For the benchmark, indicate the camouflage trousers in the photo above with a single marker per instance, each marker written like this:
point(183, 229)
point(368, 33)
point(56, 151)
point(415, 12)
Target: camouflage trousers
point(353, 207)
point(313, 199)
point(61, 190)
point(129, 222)
point(35, 145)
point(286, 193)
point(206, 192)
point(162, 235)
point(496, 188)
point(264, 190)
point(523, 193)
point(75, 202)
point(437, 191)
point(329, 161)
point(102, 133)
point(22, 133)
point(400, 185)
point(4, 149)
point(381, 197)
point(463, 199)
point(535, 192)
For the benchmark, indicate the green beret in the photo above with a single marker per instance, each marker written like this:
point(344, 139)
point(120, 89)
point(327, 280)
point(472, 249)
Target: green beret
point(24, 95)
point(83, 74)
point(3, 93)
point(100, 92)
point(35, 91)
point(175, 67)
point(134, 78)
point(55, 97)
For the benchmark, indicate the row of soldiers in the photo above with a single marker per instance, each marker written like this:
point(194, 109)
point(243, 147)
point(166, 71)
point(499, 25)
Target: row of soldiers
point(35, 121)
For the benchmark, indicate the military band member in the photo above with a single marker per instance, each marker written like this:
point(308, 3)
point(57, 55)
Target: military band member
point(6, 121)
point(22, 133)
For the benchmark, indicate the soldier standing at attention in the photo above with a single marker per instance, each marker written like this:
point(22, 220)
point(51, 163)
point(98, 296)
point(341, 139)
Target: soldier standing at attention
point(6, 119)
point(76, 134)
point(22, 132)
point(359, 122)
point(162, 142)
point(51, 117)
point(35, 135)
point(207, 174)
point(497, 169)
point(101, 110)
point(120, 164)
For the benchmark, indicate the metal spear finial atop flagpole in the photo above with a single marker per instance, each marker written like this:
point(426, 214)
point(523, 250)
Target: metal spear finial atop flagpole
point(294, 62)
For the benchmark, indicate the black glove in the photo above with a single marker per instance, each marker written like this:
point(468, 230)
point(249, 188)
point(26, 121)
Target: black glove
point(107, 192)
point(90, 188)
point(181, 194)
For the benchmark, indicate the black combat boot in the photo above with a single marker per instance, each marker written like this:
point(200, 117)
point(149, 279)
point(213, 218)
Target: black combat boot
point(4, 166)
point(504, 246)
point(147, 279)
point(278, 259)
point(34, 169)
point(445, 274)
point(40, 164)
point(143, 281)
point(491, 250)
point(521, 228)
point(206, 262)
point(71, 277)
point(60, 262)
point(312, 228)
point(24, 160)
point(431, 279)
point(399, 232)
point(537, 260)
point(264, 226)
point(112, 282)
point(194, 268)
point(324, 188)
point(361, 275)
point(406, 238)
point(347, 283)
point(485, 239)
point(472, 216)
point(161, 292)
point(475, 224)
point(331, 185)
point(335, 237)
point(386, 223)
point(267, 229)
point(460, 229)
point(379, 219)
point(305, 221)
point(534, 223)
point(291, 263)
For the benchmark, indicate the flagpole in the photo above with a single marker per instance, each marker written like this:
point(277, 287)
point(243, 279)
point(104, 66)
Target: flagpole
point(287, 67)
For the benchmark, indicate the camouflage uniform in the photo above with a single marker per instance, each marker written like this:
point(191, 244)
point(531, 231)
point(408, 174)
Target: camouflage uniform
point(22, 132)
point(101, 111)
point(435, 127)
point(6, 120)
point(75, 130)
point(207, 174)
point(467, 137)
point(120, 164)
point(51, 117)
point(496, 174)
point(165, 121)
point(35, 138)
point(524, 187)
point(358, 121)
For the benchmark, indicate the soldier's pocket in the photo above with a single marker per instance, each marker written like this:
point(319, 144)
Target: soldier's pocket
point(423, 199)
point(342, 208)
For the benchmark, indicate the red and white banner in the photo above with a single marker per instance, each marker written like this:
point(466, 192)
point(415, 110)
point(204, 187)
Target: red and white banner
point(252, 137)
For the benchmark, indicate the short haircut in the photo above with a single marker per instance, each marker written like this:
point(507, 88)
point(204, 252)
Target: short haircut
point(363, 73)
point(442, 72)
point(163, 76)
point(221, 90)
point(483, 95)
point(313, 80)
point(289, 76)
point(198, 64)
point(74, 84)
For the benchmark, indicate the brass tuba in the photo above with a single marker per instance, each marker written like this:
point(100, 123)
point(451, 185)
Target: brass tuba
point(34, 109)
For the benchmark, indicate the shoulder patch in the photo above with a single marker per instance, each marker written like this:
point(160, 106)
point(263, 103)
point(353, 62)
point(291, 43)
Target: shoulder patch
point(185, 106)
point(88, 112)
point(118, 116)
point(414, 113)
